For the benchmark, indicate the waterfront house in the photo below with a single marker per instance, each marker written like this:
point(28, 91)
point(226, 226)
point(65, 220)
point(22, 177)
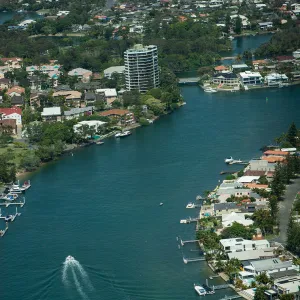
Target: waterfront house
point(225, 208)
point(259, 64)
point(221, 69)
point(77, 112)
point(51, 114)
point(250, 78)
point(223, 194)
point(284, 58)
point(245, 256)
point(248, 179)
point(260, 165)
point(265, 25)
point(82, 74)
point(268, 266)
point(274, 79)
point(276, 153)
point(15, 91)
point(273, 159)
point(240, 244)
point(123, 116)
point(229, 79)
point(111, 70)
point(93, 124)
point(286, 282)
point(109, 94)
point(14, 113)
point(233, 217)
point(239, 67)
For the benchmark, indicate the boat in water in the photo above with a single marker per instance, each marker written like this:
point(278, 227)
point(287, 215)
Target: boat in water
point(200, 290)
point(70, 258)
point(9, 218)
point(210, 90)
point(125, 133)
point(9, 197)
point(190, 205)
point(99, 143)
point(229, 160)
point(15, 189)
point(25, 186)
point(161, 204)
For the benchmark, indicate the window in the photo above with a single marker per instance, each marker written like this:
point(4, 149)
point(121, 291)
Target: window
point(227, 248)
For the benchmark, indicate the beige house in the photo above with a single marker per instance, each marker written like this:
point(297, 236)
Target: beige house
point(12, 63)
point(82, 74)
point(70, 96)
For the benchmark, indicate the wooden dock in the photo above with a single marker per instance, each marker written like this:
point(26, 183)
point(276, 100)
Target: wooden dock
point(7, 204)
point(187, 260)
point(186, 242)
point(2, 232)
point(231, 297)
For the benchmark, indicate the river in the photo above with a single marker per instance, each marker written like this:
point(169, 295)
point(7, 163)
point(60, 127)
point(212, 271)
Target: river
point(6, 16)
point(102, 204)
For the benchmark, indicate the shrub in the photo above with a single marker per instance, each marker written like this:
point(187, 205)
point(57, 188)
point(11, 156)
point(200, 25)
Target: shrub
point(143, 121)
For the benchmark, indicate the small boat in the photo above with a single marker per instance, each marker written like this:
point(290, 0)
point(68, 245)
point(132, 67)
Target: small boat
point(161, 204)
point(117, 135)
point(229, 160)
point(9, 218)
point(231, 37)
point(210, 90)
point(9, 197)
point(99, 143)
point(125, 133)
point(190, 205)
point(183, 221)
point(70, 258)
point(15, 189)
point(200, 290)
point(25, 186)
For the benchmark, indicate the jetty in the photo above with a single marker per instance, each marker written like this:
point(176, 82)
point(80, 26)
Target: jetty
point(238, 162)
point(187, 242)
point(231, 297)
point(220, 287)
point(227, 172)
point(13, 216)
point(187, 260)
point(188, 80)
point(7, 204)
point(2, 232)
point(189, 220)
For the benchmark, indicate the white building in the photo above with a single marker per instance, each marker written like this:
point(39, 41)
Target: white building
point(141, 68)
point(109, 94)
point(274, 79)
point(91, 124)
point(51, 113)
point(239, 244)
point(296, 53)
point(12, 113)
point(250, 78)
point(111, 70)
point(248, 179)
point(265, 25)
point(229, 219)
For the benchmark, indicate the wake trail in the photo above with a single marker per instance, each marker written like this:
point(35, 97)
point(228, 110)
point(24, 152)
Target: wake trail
point(78, 286)
point(84, 275)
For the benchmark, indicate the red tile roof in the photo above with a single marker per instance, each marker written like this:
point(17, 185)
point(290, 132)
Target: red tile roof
point(9, 111)
point(221, 68)
point(273, 159)
point(115, 112)
point(16, 89)
point(276, 152)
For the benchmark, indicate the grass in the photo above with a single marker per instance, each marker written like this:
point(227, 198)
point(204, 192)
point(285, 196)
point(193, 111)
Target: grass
point(17, 152)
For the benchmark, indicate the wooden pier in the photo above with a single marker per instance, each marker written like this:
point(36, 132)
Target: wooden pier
point(231, 297)
point(189, 220)
point(2, 232)
point(220, 287)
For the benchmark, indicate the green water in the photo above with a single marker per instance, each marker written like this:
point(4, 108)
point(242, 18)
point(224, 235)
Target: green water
point(102, 204)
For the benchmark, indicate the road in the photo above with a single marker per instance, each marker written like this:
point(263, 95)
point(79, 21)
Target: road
point(285, 208)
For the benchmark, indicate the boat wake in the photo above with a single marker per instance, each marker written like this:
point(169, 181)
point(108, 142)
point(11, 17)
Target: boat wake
point(74, 275)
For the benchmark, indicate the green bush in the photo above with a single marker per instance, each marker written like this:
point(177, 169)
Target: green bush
point(143, 121)
point(20, 145)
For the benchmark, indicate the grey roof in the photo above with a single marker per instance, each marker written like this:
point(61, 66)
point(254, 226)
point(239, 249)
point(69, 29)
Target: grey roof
point(225, 206)
point(226, 75)
point(232, 191)
point(282, 274)
point(252, 254)
point(17, 100)
point(78, 110)
point(63, 88)
point(270, 264)
point(89, 96)
point(230, 185)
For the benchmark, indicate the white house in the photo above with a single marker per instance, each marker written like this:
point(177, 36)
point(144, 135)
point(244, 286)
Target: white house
point(91, 124)
point(110, 95)
point(274, 79)
point(296, 53)
point(51, 113)
point(12, 113)
point(265, 25)
point(116, 69)
point(250, 78)
point(229, 219)
point(239, 244)
point(248, 179)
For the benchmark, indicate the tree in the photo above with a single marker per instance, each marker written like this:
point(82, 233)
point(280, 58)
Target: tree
point(274, 207)
point(277, 184)
point(287, 297)
point(262, 278)
point(231, 267)
point(29, 161)
point(237, 230)
point(131, 98)
point(292, 135)
point(238, 25)
point(263, 180)
point(263, 219)
point(293, 236)
point(260, 293)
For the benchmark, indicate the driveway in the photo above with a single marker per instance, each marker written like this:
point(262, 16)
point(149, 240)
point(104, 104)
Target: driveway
point(285, 209)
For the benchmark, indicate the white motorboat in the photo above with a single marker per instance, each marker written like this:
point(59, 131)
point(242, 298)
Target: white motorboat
point(70, 258)
point(210, 90)
point(99, 143)
point(25, 186)
point(183, 221)
point(190, 205)
point(9, 197)
point(117, 135)
point(231, 37)
point(161, 204)
point(200, 290)
point(125, 133)
point(229, 160)
point(15, 189)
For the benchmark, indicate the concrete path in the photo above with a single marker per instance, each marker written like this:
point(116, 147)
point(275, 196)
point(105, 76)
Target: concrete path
point(285, 209)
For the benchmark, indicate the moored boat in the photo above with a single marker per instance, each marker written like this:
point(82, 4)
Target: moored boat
point(26, 185)
point(200, 290)
point(125, 133)
point(9, 218)
point(229, 160)
point(210, 90)
point(190, 205)
point(99, 143)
